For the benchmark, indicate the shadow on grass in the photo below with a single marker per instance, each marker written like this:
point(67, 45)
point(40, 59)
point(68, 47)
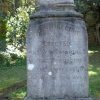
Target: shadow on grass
point(12, 78)
point(94, 71)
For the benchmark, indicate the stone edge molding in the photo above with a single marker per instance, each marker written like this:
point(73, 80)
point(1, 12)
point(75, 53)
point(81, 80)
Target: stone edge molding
point(46, 2)
point(68, 98)
point(56, 13)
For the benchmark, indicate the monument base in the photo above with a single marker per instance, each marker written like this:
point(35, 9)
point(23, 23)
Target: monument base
point(68, 98)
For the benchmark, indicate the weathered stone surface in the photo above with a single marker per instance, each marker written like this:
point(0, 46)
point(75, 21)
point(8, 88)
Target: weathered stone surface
point(57, 58)
point(46, 2)
point(57, 54)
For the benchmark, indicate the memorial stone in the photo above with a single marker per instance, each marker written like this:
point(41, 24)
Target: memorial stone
point(57, 53)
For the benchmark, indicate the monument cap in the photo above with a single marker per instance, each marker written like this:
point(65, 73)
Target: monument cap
point(47, 2)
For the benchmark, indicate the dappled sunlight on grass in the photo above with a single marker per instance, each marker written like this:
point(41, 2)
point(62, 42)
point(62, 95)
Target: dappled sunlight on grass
point(91, 73)
point(90, 67)
point(92, 52)
point(94, 71)
point(18, 94)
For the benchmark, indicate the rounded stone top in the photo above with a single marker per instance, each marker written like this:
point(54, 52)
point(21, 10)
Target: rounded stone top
point(47, 2)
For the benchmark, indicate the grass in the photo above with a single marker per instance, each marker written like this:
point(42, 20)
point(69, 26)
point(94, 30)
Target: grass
point(94, 71)
point(9, 76)
point(19, 94)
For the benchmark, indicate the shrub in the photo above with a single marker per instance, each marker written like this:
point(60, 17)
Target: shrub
point(17, 27)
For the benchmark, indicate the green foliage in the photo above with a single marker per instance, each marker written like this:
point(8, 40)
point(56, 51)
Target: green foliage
point(95, 2)
point(4, 60)
point(86, 6)
point(17, 27)
point(19, 94)
point(91, 11)
point(9, 60)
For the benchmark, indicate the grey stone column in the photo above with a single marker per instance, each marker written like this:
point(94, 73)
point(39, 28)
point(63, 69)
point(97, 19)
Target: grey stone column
point(57, 53)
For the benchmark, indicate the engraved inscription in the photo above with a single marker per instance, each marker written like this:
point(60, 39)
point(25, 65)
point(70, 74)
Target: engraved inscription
point(58, 52)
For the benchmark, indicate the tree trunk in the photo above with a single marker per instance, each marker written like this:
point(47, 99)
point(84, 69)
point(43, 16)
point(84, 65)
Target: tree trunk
point(98, 33)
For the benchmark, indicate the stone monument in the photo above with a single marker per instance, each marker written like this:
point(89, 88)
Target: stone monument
point(57, 53)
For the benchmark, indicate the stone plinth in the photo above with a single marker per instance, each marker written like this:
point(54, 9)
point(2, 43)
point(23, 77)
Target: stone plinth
point(57, 54)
